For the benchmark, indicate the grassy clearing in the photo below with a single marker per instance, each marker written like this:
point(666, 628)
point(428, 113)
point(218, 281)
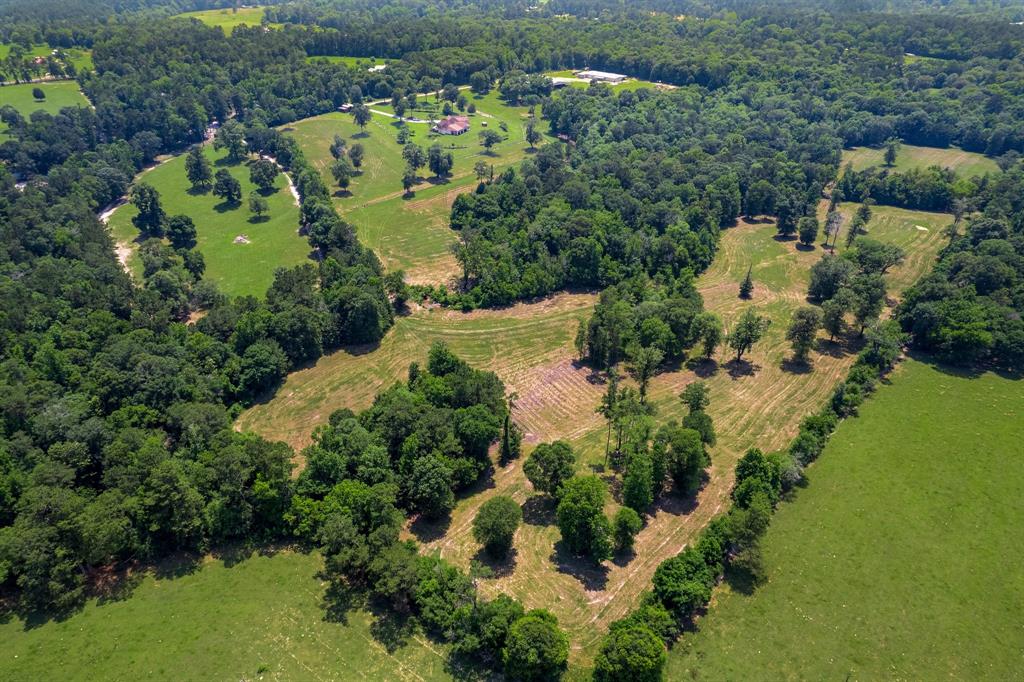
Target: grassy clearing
point(81, 58)
point(901, 559)
point(238, 269)
point(228, 19)
point(268, 623)
point(630, 84)
point(411, 233)
point(967, 164)
point(59, 94)
point(361, 62)
point(757, 403)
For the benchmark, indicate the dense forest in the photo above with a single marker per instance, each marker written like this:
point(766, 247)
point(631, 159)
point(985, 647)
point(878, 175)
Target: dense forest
point(116, 434)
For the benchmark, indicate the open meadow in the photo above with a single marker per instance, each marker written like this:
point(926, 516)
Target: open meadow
point(966, 164)
point(238, 618)
point(901, 558)
point(238, 268)
point(59, 94)
point(410, 232)
point(228, 18)
point(759, 402)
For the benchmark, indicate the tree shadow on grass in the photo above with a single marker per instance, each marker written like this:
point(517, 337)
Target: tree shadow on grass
point(256, 220)
point(501, 566)
point(339, 599)
point(392, 629)
point(676, 505)
point(225, 206)
point(622, 559)
point(539, 510)
point(198, 191)
point(342, 194)
point(741, 368)
point(794, 366)
point(593, 577)
point(740, 580)
point(833, 349)
point(703, 367)
point(427, 530)
point(800, 246)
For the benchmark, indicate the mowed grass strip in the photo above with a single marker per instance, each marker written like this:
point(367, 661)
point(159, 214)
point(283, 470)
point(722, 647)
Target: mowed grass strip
point(411, 232)
point(258, 618)
point(228, 19)
point(966, 164)
point(238, 269)
point(59, 94)
point(901, 559)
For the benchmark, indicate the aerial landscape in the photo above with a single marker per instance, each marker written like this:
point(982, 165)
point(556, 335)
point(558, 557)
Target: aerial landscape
point(501, 340)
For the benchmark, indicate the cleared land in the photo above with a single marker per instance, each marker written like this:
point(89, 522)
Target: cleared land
point(964, 163)
point(411, 232)
point(80, 57)
point(268, 623)
point(363, 62)
point(901, 559)
point(237, 268)
point(228, 19)
point(629, 84)
point(758, 402)
point(59, 94)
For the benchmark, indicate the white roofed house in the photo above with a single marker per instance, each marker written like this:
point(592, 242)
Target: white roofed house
point(602, 76)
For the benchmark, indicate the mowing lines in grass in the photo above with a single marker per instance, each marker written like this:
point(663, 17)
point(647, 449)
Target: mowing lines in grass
point(966, 164)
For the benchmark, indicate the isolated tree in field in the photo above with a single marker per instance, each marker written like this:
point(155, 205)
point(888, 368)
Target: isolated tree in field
point(38, 93)
point(342, 171)
point(607, 408)
point(807, 230)
point(750, 328)
point(361, 115)
point(439, 161)
point(414, 156)
point(409, 179)
point(833, 316)
point(747, 285)
point(580, 514)
point(511, 435)
point(480, 168)
point(197, 169)
point(533, 136)
point(496, 523)
point(227, 187)
point(181, 232)
point(430, 487)
point(549, 466)
point(633, 653)
point(257, 204)
point(696, 396)
point(873, 257)
point(684, 454)
point(399, 107)
point(856, 225)
point(892, 148)
point(263, 173)
point(643, 363)
point(625, 525)
point(150, 218)
point(535, 649)
point(864, 211)
point(707, 327)
point(833, 225)
point(231, 137)
point(338, 146)
point(803, 330)
point(489, 138)
point(828, 276)
point(355, 154)
point(638, 484)
point(868, 299)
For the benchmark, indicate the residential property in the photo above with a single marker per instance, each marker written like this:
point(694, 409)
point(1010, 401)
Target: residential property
point(603, 76)
point(377, 68)
point(345, 108)
point(452, 125)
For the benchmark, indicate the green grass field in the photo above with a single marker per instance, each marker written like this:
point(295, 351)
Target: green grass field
point(261, 618)
point(59, 94)
point(901, 559)
point(238, 269)
point(80, 57)
point(967, 164)
point(362, 62)
point(228, 19)
point(411, 232)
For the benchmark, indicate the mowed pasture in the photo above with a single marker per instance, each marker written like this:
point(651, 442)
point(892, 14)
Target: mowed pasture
point(228, 19)
point(80, 57)
point(411, 232)
point(59, 94)
point(758, 402)
point(238, 269)
point(900, 559)
point(966, 164)
point(261, 616)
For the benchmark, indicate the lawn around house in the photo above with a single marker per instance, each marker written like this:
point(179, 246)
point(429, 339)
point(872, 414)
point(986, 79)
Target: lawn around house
point(966, 164)
point(411, 232)
point(262, 617)
point(238, 269)
point(901, 558)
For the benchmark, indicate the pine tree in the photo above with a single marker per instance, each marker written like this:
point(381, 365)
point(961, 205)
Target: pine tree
point(747, 285)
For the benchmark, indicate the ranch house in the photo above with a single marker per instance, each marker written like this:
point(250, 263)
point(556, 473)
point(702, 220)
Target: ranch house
point(452, 125)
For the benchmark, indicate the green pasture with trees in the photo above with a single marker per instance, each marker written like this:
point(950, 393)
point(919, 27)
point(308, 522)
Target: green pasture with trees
point(56, 96)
